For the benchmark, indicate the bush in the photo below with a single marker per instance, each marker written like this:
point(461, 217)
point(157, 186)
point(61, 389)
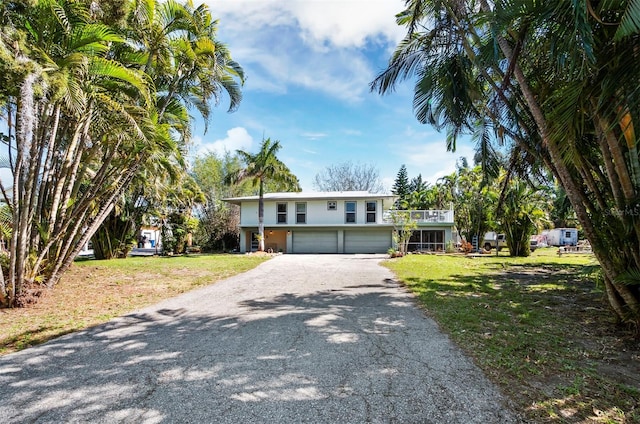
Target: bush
point(466, 247)
point(450, 247)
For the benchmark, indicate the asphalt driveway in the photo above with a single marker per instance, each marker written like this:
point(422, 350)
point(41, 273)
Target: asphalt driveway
point(299, 339)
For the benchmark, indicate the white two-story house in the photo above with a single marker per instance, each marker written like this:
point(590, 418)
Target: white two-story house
point(335, 222)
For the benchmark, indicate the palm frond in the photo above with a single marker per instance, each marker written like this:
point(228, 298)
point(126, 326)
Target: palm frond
point(62, 17)
point(630, 277)
point(93, 38)
point(630, 22)
point(112, 69)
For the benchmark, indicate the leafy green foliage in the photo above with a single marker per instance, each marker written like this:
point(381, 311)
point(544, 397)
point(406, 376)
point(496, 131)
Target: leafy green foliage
point(519, 212)
point(217, 228)
point(552, 84)
point(96, 105)
point(261, 168)
point(403, 227)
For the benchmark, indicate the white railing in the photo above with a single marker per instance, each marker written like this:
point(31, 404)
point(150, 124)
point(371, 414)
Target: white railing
point(430, 216)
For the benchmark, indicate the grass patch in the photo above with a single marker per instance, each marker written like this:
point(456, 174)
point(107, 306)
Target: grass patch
point(539, 327)
point(93, 292)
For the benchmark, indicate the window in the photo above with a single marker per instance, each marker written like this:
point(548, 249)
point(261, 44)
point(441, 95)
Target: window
point(301, 213)
point(350, 212)
point(332, 206)
point(281, 213)
point(371, 212)
point(426, 240)
point(255, 244)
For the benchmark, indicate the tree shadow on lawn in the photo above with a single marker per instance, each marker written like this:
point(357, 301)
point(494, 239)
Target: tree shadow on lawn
point(544, 333)
point(356, 354)
point(32, 337)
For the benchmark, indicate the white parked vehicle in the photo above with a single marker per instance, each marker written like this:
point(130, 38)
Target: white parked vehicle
point(493, 240)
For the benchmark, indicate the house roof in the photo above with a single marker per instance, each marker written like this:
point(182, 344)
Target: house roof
point(313, 195)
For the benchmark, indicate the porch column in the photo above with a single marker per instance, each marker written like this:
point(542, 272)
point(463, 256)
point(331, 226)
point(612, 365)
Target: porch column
point(243, 241)
point(289, 246)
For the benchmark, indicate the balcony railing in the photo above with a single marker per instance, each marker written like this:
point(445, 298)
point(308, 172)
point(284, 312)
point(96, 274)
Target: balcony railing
point(426, 216)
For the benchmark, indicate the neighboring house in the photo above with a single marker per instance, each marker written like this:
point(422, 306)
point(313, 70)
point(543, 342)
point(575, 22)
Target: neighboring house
point(149, 237)
point(87, 250)
point(335, 222)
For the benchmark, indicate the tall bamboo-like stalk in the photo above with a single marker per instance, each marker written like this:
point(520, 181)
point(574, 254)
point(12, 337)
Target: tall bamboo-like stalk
point(66, 173)
point(85, 118)
point(568, 82)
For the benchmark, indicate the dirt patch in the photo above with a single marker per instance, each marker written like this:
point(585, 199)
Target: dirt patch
point(91, 294)
point(264, 253)
point(607, 355)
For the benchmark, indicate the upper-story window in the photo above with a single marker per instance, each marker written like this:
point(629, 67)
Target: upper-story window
point(281, 212)
point(301, 213)
point(332, 205)
point(371, 212)
point(350, 212)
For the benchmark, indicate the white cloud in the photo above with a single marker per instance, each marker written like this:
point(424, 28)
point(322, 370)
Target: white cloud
point(343, 74)
point(431, 158)
point(339, 23)
point(348, 23)
point(313, 135)
point(315, 44)
point(237, 139)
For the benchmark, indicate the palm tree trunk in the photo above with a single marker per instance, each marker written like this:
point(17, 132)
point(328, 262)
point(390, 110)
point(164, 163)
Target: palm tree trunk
point(261, 217)
point(72, 250)
point(615, 291)
point(48, 162)
point(64, 176)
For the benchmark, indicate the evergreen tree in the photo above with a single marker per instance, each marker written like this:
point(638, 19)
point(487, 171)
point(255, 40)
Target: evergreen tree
point(401, 186)
point(417, 184)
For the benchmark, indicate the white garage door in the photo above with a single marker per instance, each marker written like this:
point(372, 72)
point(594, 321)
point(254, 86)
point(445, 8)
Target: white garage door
point(367, 241)
point(315, 242)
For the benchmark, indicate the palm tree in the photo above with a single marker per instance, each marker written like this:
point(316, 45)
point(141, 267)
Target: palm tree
point(67, 169)
point(180, 51)
point(570, 103)
point(520, 211)
point(260, 168)
point(190, 68)
point(88, 108)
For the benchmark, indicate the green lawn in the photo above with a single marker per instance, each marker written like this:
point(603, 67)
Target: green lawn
point(93, 292)
point(538, 326)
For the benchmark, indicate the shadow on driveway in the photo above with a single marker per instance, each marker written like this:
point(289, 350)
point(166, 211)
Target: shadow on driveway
point(351, 354)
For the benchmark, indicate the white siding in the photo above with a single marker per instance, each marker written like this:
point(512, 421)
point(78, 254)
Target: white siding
point(249, 214)
point(317, 213)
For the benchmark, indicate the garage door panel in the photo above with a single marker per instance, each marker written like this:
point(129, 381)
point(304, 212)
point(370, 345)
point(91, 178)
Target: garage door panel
point(315, 242)
point(367, 241)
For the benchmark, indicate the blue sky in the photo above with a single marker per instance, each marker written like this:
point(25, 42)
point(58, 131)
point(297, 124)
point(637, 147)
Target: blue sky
point(308, 65)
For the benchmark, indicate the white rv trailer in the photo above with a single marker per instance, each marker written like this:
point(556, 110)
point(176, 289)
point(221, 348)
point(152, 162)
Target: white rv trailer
point(562, 237)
